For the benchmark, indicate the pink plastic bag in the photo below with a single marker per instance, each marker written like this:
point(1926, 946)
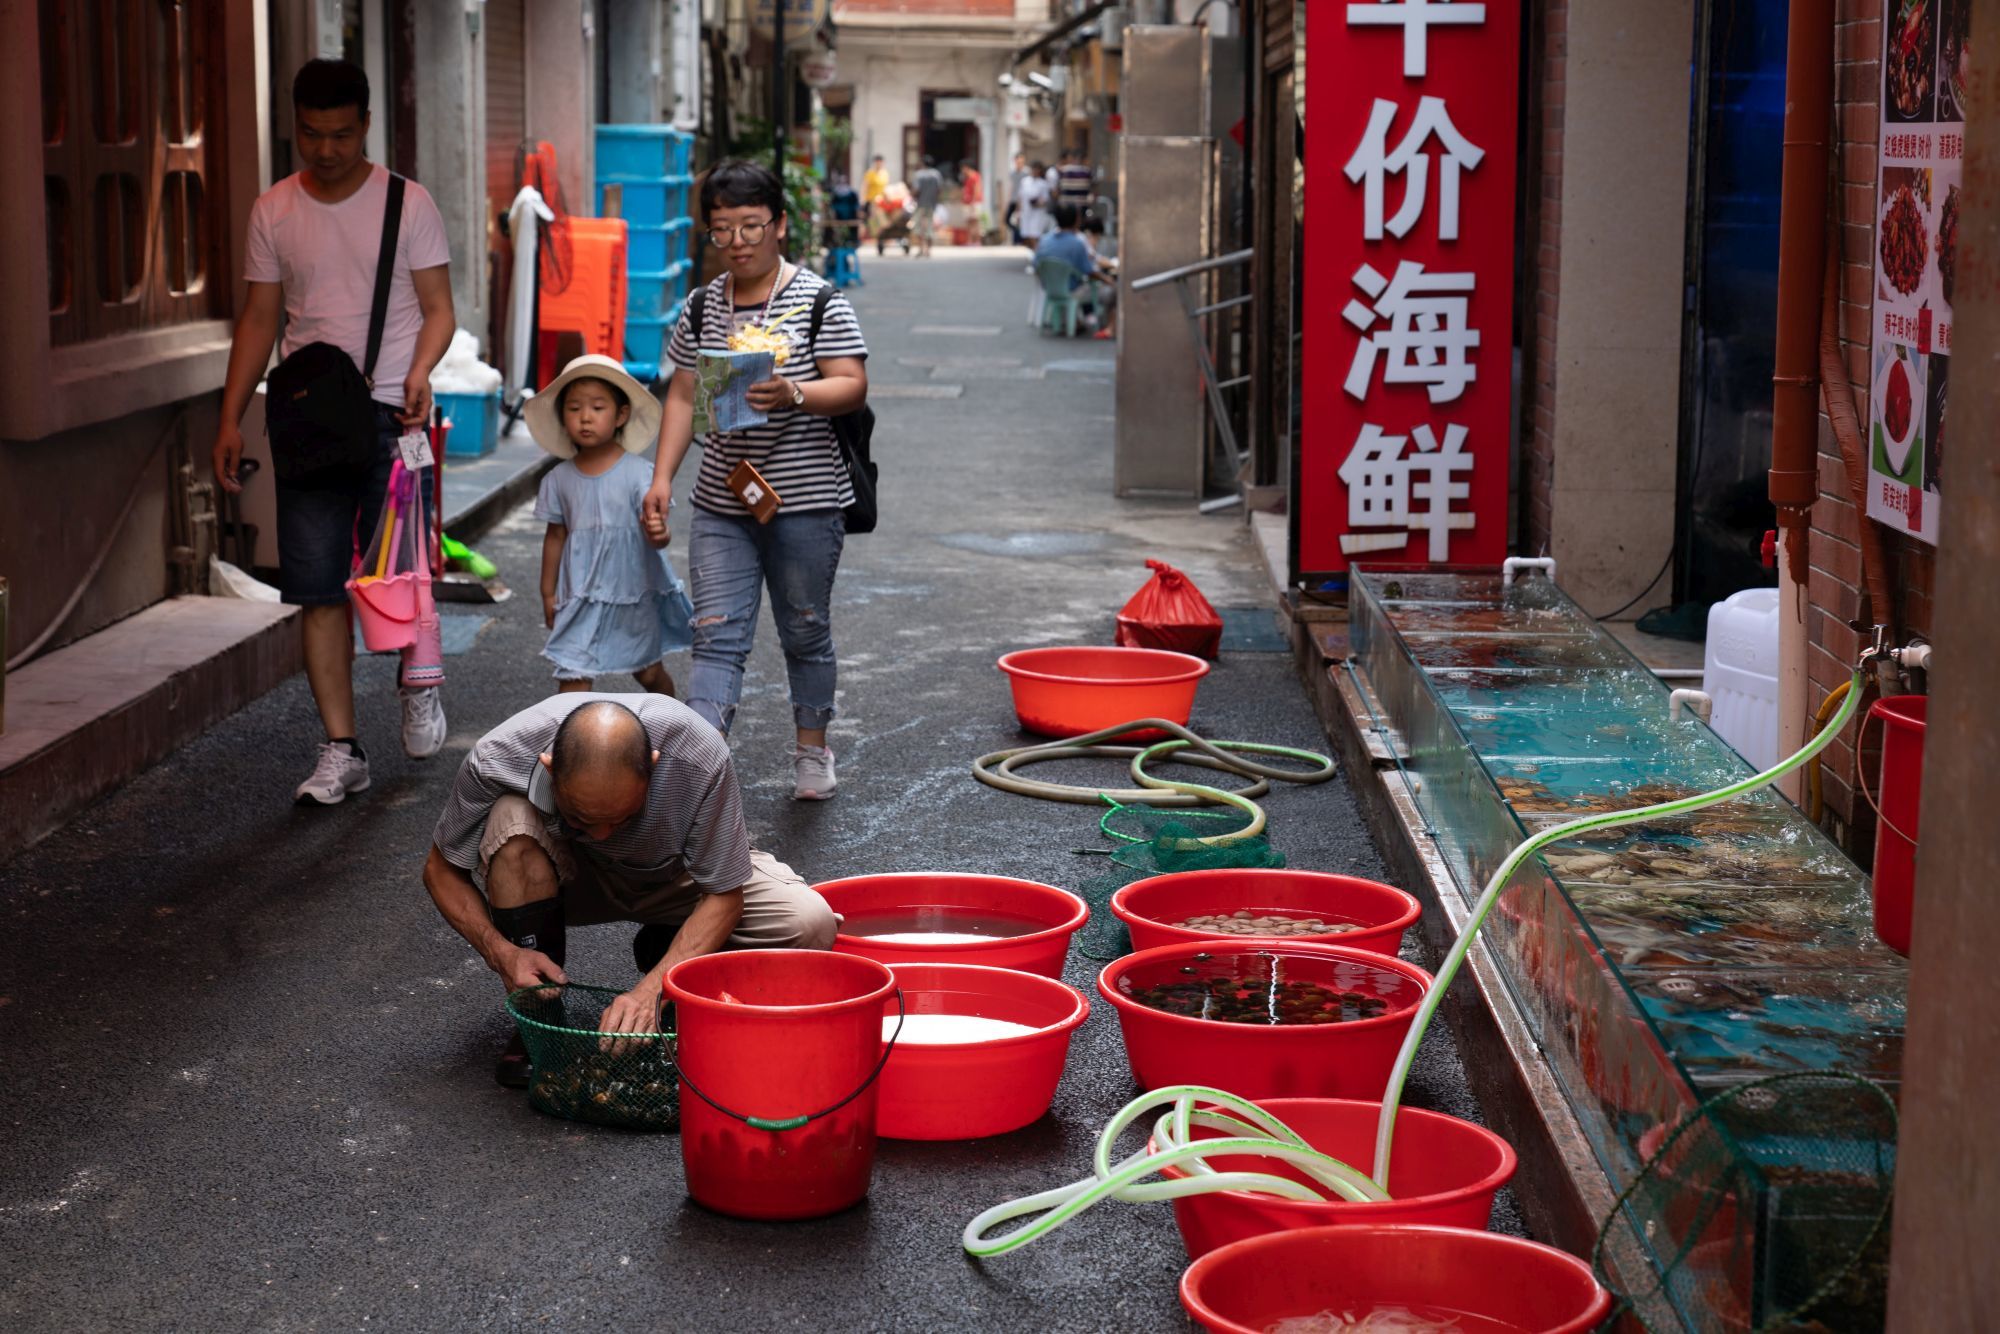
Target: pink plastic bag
point(1170, 613)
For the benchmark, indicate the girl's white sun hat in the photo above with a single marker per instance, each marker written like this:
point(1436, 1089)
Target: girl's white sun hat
point(544, 414)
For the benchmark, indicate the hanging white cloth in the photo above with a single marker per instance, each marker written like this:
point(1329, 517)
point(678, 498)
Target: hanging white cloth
point(525, 217)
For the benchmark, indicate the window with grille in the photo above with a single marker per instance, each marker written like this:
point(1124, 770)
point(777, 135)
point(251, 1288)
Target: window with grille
point(130, 181)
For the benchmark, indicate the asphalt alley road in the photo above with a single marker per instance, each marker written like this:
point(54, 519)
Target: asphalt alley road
point(247, 1067)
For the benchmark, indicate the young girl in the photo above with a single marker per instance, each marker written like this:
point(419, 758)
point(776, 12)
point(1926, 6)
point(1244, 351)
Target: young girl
point(609, 597)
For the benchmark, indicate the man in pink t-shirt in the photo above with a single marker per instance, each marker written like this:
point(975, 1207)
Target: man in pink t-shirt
point(314, 242)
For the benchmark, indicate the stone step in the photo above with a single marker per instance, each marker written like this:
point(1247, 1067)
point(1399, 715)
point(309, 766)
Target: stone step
point(91, 715)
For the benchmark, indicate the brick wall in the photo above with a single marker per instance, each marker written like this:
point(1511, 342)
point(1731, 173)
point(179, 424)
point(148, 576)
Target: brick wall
point(1543, 214)
point(1834, 591)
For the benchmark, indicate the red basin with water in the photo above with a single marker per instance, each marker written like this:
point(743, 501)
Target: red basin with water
point(1443, 1171)
point(1501, 1283)
point(1380, 914)
point(1038, 920)
point(1344, 1059)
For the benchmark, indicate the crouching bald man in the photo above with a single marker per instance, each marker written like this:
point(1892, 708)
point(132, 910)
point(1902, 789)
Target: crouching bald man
point(594, 808)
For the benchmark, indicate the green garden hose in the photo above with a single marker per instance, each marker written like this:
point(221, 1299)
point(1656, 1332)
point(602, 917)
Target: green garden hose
point(996, 769)
point(1251, 1132)
point(1385, 1129)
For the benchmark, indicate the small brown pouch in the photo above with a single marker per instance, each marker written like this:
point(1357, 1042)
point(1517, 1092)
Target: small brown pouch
point(755, 493)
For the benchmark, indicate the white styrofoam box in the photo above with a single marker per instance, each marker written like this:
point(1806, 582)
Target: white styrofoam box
point(1740, 673)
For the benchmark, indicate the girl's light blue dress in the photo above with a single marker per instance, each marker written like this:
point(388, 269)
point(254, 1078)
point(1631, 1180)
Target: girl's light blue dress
point(619, 606)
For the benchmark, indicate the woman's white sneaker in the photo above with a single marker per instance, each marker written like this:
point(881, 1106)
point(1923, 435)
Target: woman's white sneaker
point(338, 772)
point(423, 722)
point(812, 773)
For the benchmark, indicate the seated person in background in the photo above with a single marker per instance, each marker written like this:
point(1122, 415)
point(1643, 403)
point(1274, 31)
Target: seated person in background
point(1067, 244)
point(1092, 228)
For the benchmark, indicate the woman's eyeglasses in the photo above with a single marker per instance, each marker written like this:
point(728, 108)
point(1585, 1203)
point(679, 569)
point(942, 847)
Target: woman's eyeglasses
point(753, 233)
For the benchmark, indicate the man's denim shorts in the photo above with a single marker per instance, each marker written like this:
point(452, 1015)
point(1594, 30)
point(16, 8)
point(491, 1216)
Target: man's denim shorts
point(320, 526)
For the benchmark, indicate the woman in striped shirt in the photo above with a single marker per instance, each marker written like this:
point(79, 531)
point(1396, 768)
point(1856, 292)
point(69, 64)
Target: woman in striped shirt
point(731, 555)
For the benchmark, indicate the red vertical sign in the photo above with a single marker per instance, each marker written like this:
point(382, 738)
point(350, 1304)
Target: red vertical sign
point(1409, 267)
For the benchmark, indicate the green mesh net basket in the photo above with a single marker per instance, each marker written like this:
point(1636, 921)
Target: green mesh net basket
point(583, 1075)
point(1765, 1209)
point(1150, 841)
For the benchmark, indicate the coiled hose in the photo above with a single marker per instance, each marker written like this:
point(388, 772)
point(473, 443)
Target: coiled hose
point(996, 769)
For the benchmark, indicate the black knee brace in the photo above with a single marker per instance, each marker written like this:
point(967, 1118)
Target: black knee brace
point(649, 946)
point(533, 926)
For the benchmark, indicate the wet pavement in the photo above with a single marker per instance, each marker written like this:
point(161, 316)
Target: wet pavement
point(247, 1066)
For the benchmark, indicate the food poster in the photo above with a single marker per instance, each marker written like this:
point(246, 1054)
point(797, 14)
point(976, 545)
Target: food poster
point(1925, 64)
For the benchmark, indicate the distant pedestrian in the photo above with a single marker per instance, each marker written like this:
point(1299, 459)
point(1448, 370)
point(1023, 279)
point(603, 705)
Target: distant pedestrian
point(732, 555)
point(610, 599)
point(1034, 220)
point(971, 188)
point(927, 187)
point(874, 184)
point(1014, 179)
point(1076, 183)
point(314, 241)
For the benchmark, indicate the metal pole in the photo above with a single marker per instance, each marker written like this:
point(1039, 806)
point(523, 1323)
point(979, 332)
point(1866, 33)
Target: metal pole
point(780, 91)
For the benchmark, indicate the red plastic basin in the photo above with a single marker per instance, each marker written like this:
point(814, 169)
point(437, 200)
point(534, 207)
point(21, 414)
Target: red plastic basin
point(971, 1089)
point(1067, 691)
point(1048, 917)
point(1515, 1285)
point(1150, 907)
point(1343, 1060)
point(1442, 1171)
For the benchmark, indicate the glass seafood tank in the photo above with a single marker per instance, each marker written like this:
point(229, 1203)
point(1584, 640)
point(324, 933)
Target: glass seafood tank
point(1663, 964)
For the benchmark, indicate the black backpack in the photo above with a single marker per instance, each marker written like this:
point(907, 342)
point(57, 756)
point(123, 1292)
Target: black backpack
point(854, 430)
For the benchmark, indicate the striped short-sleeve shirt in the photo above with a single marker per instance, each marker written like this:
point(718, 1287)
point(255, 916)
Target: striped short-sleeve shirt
point(692, 820)
point(796, 452)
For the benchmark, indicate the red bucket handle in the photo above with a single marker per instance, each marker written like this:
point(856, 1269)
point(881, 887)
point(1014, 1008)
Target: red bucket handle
point(776, 1123)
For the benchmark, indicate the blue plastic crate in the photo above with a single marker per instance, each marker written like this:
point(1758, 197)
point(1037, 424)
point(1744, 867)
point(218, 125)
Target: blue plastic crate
point(475, 424)
point(647, 249)
point(646, 203)
point(647, 295)
point(643, 203)
point(647, 152)
point(645, 338)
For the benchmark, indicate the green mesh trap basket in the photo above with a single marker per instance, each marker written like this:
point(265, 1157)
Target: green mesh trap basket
point(1151, 841)
point(1765, 1209)
point(582, 1074)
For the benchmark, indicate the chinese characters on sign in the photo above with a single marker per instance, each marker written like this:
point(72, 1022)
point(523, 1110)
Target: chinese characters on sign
point(1924, 72)
point(1409, 263)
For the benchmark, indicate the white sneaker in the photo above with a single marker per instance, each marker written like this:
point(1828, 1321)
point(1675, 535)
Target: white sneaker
point(812, 773)
point(423, 722)
point(338, 772)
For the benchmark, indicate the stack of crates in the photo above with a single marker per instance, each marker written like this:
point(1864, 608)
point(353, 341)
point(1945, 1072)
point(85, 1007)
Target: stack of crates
point(652, 166)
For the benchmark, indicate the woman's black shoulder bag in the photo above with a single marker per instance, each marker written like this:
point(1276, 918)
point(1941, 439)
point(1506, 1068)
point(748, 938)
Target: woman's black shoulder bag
point(854, 430)
point(319, 410)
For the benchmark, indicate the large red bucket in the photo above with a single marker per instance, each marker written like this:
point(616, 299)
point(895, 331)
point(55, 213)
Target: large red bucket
point(1902, 784)
point(778, 1086)
point(1444, 1172)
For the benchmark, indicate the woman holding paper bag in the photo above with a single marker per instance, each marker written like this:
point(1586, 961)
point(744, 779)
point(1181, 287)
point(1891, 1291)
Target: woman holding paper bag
point(768, 495)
